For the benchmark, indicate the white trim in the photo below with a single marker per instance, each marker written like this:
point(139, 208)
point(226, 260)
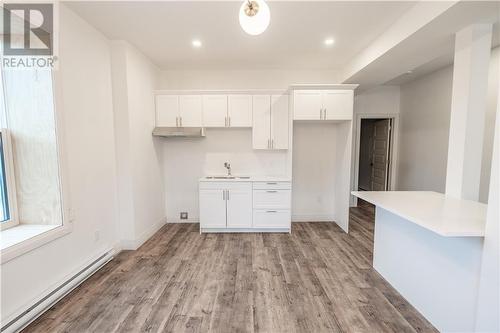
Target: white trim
point(223, 92)
point(244, 230)
point(393, 153)
point(134, 244)
point(313, 218)
point(178, 220)
point(336, 86)
point(10, 179)
point(35, 242)
point(38, 305)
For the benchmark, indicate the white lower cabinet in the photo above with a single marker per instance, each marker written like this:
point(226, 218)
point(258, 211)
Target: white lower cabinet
point(272, 219)
point(232, 206)
point(225, 205)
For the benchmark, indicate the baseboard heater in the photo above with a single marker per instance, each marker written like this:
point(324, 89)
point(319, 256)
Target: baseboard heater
point(38, 308)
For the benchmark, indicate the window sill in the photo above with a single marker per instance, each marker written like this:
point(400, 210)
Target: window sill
point(23, 238)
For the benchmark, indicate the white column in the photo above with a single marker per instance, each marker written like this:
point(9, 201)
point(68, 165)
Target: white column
point(468, 107)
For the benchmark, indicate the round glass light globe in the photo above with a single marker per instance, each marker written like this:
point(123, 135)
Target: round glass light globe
point(257, 24)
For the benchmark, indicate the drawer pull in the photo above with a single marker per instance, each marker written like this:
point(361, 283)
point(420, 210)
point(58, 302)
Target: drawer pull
point(272, 183)
point(271, 191)
point(271, 211)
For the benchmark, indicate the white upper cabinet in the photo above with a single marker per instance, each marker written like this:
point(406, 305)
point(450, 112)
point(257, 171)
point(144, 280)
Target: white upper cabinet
point(270, 122)
point(191, 111)
point(308, 104)
point(179, 111)
point(338, 104)
point(279, 122)
point(240, 111)
point(167, 110)
point(261, 132)
point(215, 111)
point(323, 104)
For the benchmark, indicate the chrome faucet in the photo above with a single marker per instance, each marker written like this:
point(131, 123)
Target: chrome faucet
point(228, 167)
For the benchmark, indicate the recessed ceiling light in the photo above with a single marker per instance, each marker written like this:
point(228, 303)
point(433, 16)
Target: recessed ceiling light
point(196, 43)
point(329, 41)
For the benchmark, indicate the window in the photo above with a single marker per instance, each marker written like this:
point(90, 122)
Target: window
point(8, 207)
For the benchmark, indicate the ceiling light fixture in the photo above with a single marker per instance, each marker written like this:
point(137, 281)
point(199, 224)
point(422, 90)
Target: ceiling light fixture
point(254, 16)
point(329, 41)
point(196, 43)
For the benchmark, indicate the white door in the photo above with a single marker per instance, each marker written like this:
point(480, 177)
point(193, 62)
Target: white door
point(380, 159)
point(261, 131)
point(167, 110)
point(191, 111)
point(239, 206)
point(240, 110)
point(279, 122)
point(215, 110)
point(307, 105)
point(338, 104)
point(212, 208)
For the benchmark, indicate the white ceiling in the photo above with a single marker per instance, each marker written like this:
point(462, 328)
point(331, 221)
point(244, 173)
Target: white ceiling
point(294, 40)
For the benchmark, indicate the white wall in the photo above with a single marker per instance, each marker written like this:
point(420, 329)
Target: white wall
point(314, 170)
point(425, 120)
point(141, 195)
point(242, 79)
point(88, 114)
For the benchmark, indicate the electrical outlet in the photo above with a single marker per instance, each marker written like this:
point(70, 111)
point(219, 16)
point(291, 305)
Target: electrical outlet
point(184, 215)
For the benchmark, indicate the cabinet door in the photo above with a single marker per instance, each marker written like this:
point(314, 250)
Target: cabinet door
point(214, 110)
point(240, 110)
point(307, 105)
point(190, 107)
point(167, 110)
point(261, 132)
point(338, 104)
point(279, 122)
point(212, 208)
point(239, 206)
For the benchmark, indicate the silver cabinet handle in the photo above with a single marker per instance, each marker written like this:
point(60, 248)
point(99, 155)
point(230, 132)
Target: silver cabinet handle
point(268, 143)
point(225, 121)
point(224, 195)
point(176, 121)
point(324, 113)
point(272, 183)
point(271, 191)
point(271, 211)
point(229, 120)
point(227, 194)
point(272, 143)
point(320, 114)
point(180, 120)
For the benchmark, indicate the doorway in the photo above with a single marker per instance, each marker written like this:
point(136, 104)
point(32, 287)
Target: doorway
point(375, 148)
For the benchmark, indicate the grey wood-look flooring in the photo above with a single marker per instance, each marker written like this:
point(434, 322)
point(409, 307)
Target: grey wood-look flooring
point(316, 279)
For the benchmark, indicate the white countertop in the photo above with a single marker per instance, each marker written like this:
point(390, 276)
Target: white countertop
point(434, 211)
point(242, 178)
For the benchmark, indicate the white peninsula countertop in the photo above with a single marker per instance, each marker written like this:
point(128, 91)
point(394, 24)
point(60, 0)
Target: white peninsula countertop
point(448, 217)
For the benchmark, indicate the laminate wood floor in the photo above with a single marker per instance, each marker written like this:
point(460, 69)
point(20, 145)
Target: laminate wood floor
point(316, 279)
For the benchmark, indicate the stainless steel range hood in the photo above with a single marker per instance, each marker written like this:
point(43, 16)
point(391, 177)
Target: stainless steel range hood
point(179, 132)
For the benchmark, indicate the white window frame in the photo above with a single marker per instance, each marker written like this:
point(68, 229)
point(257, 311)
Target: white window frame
point(10, 180)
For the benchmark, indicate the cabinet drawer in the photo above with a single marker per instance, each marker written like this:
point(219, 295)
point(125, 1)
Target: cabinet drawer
point(271, 199)
point(225, 185)
point(271, 185)
point(269, 218)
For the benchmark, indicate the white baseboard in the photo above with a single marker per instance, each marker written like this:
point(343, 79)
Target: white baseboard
point(313, 218)
point(134, 244)
point(177, 220)
point(37, 306)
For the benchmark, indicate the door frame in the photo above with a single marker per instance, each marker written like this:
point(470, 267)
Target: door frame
point(393, 152)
